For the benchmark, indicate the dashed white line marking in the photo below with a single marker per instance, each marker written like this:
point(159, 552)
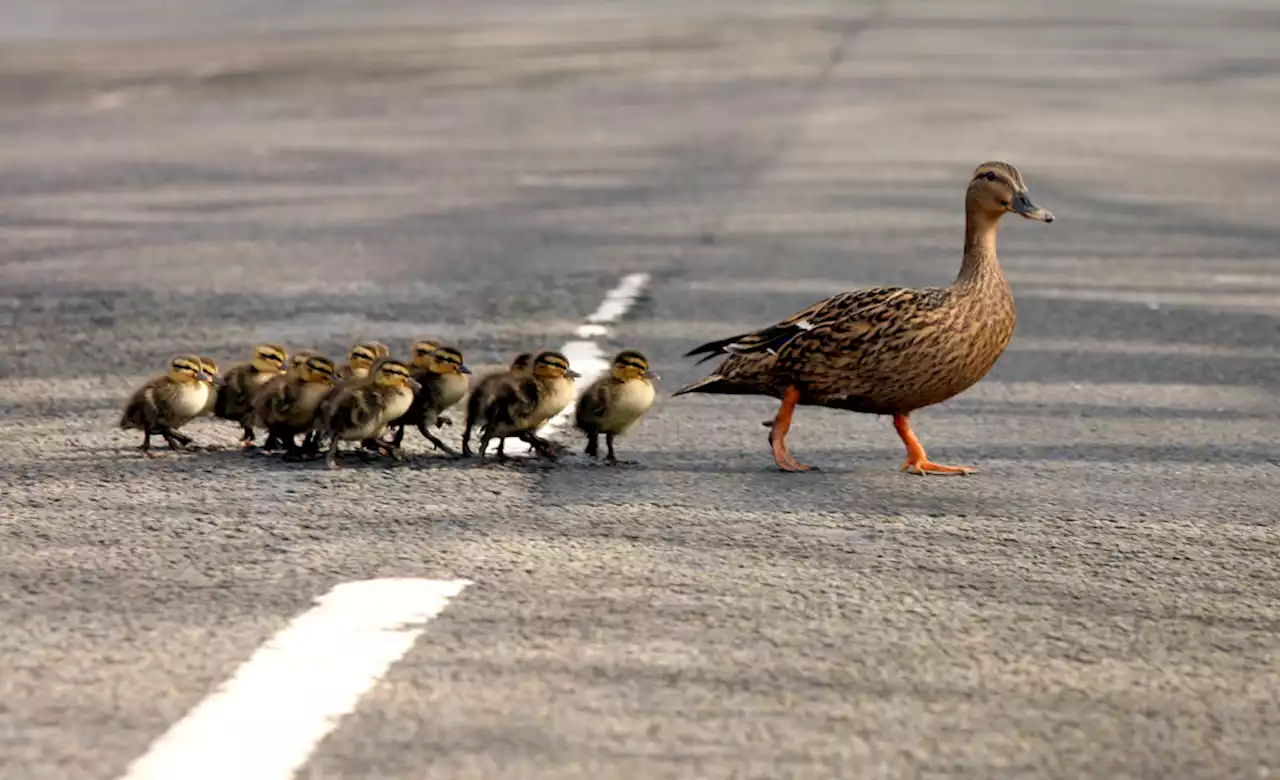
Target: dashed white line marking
point(264, 723)
point(585, 355)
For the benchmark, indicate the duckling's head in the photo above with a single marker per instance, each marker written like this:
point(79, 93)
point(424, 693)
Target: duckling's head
point(269, 358)
point(630, 364)
point(448, 360)
point(299, 359)
point(553, 365)
point(361, 358)
point(997, 188)
point(393, 373)
point(319, 368)
point(422, 350)
point(210, 367)
point(521, 363)
point(187, 369)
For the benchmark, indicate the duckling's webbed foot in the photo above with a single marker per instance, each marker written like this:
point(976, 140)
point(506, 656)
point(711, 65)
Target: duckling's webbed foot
point(440, 445)
point(917, 462)
point(541, 446)
point(778, 434)
point(593, 446)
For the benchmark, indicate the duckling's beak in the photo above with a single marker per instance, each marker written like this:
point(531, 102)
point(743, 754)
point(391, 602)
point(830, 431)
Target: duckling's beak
point(203, 376)
point(1023, 206)
point(569, 372)
point(650, 375)
point(413, 384)
point(463, 369)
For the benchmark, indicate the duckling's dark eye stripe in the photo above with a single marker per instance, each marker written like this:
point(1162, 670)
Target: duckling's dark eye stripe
point(636, 364)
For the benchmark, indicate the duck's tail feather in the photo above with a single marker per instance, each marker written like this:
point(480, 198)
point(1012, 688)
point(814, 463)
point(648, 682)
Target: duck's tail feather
point(769, 339)
point(707, 385)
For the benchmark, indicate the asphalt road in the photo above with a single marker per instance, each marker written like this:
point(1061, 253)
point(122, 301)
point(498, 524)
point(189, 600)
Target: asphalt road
point(1101, 600)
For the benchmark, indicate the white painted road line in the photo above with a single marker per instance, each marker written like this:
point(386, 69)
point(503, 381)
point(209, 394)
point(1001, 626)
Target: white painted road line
point(264, 723)
point(585, 356)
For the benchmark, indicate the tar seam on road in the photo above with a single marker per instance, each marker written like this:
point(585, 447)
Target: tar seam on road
point(265, 722)
point(585, 355)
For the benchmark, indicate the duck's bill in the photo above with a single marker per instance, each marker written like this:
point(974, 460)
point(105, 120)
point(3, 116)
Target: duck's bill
point(651, 375)
point(1023, 206)
point(463, 370)
point(413, 384)
point(569, 372)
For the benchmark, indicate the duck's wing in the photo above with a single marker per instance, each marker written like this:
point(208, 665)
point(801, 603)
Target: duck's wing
point(593, 404)
point(356, 408)
point(276, 400)
point(869, 304)
point(512, 401)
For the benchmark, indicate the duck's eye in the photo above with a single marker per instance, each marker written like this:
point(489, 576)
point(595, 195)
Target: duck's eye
point(990, 176)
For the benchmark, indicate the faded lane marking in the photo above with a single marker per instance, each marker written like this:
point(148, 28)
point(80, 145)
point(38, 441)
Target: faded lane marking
point(265, 722)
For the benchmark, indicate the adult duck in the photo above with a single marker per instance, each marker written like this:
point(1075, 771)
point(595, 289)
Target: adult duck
point(887, 350)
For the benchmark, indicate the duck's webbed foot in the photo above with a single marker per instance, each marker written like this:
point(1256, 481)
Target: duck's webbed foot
point(917, 462)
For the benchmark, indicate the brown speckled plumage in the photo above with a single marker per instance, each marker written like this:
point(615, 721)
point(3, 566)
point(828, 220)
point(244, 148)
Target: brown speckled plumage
point(888, 350)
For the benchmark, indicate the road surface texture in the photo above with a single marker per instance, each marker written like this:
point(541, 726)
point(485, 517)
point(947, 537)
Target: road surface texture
point(1101, 600)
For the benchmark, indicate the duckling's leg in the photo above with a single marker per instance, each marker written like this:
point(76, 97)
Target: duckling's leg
point(540, 445)
point(593, 445)
point(917, 462)
point(610, 458)
point(435, 440)
point(331, 459)
point(145, 449)
point(466, 439)
point(778, 433)
point(174, 442)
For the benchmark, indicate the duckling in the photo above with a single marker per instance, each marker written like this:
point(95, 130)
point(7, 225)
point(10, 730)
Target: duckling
point(421, 352)
point(361, 358)
point(166, 402)
point(286, 405)
point(241, 381)
point(523, 403)
point(295, 363)
point(210, 367)
point(299, 358)
point(887, 350)
point(361, 409)
point(615, 402)
point(482, 394)
point(443, 378)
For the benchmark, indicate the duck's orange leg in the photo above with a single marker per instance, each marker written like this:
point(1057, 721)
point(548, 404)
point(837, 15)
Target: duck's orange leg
point(917, 462)
point(778, 433)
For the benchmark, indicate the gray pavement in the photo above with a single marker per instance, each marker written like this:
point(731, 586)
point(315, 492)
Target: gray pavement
point(1101, 600)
